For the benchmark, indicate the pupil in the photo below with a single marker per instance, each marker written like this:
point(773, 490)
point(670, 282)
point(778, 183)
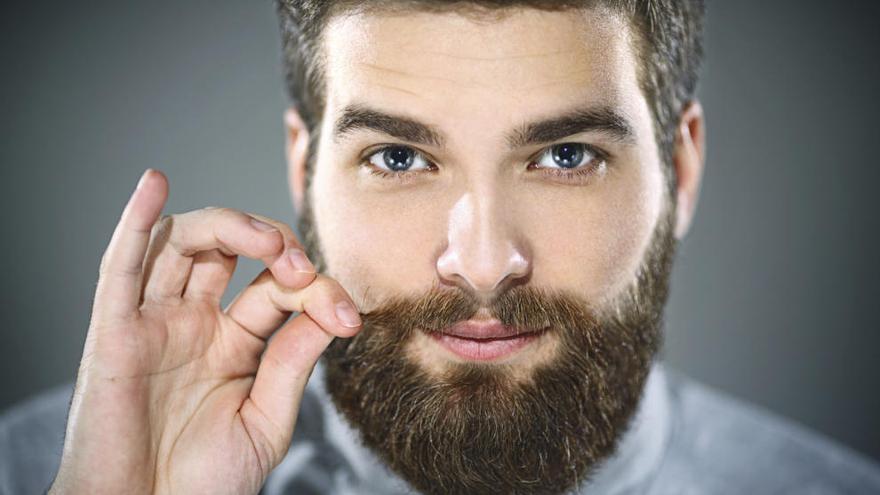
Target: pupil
point(568, 155)
point(398, 158)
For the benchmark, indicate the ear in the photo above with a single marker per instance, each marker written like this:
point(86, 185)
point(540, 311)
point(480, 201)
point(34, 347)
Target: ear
point(689, 158)
point(296, 148)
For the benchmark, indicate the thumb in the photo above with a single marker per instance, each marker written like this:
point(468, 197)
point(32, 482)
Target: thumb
point(270, 412)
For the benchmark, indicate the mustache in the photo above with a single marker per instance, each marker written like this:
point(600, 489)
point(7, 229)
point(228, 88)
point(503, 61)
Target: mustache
point(526, 308)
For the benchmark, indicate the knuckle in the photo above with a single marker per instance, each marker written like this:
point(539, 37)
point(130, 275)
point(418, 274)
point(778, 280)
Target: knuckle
point(218, 210)
point(289, 234)
point(325, 284)
point(286, 229)
point(163, 232)
point(163, 225)
point(110, 267)
point(108, 270)
point(283, 226)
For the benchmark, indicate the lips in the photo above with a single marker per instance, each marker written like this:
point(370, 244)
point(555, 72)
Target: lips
point(488, 340)
point(483, 330)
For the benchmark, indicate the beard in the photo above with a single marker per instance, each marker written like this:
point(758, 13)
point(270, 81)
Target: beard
point(480, 427)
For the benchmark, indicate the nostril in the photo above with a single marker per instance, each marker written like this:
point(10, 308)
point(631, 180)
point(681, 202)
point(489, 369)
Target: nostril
point(483, 271)
point(484, 251)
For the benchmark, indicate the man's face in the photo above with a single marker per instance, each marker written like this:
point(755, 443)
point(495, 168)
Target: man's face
point(485, 219)
point(494, 204)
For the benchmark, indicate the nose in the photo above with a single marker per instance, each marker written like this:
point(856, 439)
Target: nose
point(484, 253)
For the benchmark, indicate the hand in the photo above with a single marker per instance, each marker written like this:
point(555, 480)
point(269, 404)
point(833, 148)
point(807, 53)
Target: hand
point(174, 394)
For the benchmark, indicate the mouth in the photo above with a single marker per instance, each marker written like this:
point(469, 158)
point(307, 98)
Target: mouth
point(484, 340)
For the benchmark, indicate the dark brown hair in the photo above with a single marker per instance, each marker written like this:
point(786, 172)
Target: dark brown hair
point(668, 35)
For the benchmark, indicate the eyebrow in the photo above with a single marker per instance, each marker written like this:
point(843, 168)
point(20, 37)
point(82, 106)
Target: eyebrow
point(603, 119)
point(358, 116)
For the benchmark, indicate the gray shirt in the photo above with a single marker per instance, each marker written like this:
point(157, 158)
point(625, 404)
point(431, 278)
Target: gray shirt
point(685, 439)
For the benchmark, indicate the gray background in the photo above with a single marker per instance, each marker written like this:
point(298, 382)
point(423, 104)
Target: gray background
point(774, 291)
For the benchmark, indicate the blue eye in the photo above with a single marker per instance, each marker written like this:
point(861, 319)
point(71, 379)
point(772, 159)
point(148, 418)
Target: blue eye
point(398, 159)
point(567, 156)
point(565, 160)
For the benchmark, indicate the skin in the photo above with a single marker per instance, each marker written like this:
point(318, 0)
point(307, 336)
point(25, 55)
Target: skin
point(483, 221)
point(172, 387)
point(176, 394)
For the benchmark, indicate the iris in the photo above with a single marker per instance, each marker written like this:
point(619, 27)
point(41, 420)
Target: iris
point(398, 158)
point(568, 155)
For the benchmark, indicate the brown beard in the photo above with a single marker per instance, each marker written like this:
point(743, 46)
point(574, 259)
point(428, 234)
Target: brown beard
point(475, 429)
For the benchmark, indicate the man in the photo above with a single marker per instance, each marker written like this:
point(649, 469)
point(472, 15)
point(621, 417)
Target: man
point(490, 196)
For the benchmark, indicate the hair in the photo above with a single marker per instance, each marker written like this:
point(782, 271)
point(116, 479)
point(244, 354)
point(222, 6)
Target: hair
point(668, 39)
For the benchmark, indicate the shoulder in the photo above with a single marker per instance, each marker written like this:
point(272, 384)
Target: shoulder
point(31, 439)
point(722, 445)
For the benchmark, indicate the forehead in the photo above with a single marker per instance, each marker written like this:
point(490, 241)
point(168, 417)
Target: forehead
point(453, 69)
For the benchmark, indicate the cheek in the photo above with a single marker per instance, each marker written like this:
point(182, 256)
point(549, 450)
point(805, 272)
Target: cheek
point(593, 241)
point(373, 241)
point(589, 239)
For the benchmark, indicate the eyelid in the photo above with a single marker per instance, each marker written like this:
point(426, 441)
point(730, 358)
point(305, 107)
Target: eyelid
point(365, 161)
point(574, 174)
point(372, 150)
point(599, 153)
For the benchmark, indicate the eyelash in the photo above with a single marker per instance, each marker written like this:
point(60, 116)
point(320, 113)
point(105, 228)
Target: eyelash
point(601, 158)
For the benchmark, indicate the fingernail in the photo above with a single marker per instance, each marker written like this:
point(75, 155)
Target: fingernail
point(299, 261)
point(347, 315)
point(263, 226)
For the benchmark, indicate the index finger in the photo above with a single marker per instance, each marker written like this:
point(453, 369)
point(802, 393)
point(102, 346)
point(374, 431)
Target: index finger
point(177, 239)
